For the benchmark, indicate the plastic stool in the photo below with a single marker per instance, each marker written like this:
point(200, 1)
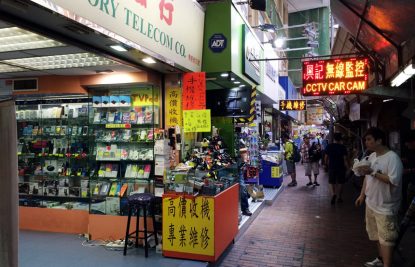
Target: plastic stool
point(137, 202)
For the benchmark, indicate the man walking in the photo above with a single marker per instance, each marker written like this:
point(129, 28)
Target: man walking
point(309, 159)
point(289, 158)
point(336, 160)
point(382, 190)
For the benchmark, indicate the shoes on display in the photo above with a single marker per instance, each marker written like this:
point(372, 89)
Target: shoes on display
point(246, 213)
point(375, 263)
point(316, 184)
point(333, 200)
point(310, 183)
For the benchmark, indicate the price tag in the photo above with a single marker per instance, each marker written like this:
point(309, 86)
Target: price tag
point(118, 126)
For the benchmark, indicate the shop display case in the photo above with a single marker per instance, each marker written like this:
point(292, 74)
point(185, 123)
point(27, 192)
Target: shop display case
point(53, 153)
point(200, 213)
point(81, 156)
point(124, 126)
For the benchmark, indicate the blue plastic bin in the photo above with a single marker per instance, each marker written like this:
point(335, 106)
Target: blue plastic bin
point(271, 175)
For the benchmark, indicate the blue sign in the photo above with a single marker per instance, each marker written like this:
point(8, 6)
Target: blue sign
point(217, 43)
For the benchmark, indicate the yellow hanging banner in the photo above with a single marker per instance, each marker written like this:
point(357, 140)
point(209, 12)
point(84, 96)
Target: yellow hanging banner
point(188, 225)
point(196, 121)
point(173, 107)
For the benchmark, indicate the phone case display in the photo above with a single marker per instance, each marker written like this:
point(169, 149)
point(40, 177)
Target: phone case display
point(208, 170)
point(123, 134)
point(53, 152)
point(248, 142)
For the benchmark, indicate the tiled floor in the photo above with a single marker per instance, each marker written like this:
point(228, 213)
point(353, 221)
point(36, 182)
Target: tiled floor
point(254, 206)
point(301, 228)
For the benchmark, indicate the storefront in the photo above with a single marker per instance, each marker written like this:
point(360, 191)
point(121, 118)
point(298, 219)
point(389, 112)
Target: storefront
point(89, 117)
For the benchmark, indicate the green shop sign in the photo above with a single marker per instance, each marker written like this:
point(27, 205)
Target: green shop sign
point(252, 50)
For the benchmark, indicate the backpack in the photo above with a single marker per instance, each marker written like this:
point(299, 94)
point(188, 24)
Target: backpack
point(296, 153)
point(314, 154)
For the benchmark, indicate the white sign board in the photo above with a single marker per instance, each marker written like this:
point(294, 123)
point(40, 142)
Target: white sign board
point(172, 29)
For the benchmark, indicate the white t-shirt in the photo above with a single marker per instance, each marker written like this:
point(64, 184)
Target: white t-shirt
point(381, 197)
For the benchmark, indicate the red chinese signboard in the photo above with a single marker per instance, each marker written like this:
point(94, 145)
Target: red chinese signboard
point(335, 76)
point(194, 91)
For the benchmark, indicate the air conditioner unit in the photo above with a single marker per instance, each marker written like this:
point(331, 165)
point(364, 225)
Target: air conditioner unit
point(23, 85)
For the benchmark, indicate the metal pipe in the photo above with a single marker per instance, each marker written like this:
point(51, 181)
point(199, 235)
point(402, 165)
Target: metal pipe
point(283, 27)
point(360, 23)
point(294, 49)
point(291, 58)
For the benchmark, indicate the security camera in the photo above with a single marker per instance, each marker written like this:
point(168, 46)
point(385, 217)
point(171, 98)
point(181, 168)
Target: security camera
point(310, 32)
point(313, 44)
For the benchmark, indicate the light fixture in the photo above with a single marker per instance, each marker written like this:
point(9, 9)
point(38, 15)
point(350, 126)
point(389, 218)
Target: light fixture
point(14, 39)
point(279, 42)
point(232, 79)
point(8, 68)
point(404, 75)
point(236, 82)
point(387, 100)
point(79, 60)
point(149, 60)
point(103, 71)
point(242, 85)
point(119, 48)
point(225, 74)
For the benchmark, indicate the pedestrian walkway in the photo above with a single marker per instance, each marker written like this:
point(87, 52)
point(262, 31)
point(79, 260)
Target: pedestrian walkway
point(302, 228)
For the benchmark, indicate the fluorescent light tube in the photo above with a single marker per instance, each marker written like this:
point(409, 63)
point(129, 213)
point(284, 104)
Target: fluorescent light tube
point(149, 60)
point(118, 48)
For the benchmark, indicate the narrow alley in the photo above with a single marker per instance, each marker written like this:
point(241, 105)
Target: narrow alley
point(302, 228)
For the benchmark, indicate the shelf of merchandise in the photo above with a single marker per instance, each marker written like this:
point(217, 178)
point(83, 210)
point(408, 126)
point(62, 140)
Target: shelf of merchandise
point(54, 212)
point(48, 129)
point(122, 133)
point(225, 226)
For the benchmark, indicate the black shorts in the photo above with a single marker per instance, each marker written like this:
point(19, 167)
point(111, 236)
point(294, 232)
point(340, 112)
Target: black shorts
point(337, 176)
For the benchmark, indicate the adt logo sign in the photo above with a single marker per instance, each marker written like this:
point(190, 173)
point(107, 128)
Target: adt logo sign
point(217, 43)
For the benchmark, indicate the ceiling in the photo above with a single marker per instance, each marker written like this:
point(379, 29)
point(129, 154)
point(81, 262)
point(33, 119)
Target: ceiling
point(73, 34)
point(300, 5)
point(25, 54)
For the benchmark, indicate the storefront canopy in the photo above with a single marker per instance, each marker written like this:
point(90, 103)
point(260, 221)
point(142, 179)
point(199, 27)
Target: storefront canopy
point(384, 27)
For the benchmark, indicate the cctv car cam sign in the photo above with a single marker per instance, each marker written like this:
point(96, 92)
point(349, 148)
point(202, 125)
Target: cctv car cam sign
point(335, 76)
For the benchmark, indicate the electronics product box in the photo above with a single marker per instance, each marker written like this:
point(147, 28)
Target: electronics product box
point(125, 101)
point(105, 101)
point(114, 101)
point(96, 101)
point(112, 205)
point(97, 206)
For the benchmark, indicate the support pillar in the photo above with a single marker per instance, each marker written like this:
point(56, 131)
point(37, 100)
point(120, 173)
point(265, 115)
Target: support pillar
point(9, 202)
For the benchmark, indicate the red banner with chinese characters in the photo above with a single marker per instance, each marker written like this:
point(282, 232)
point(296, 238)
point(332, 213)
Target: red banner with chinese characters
point(194, 91)
point(335, 76)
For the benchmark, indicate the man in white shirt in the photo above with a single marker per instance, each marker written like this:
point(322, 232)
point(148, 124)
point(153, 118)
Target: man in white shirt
point(382, 190)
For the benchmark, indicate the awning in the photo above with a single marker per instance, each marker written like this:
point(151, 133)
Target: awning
point(384, 27)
